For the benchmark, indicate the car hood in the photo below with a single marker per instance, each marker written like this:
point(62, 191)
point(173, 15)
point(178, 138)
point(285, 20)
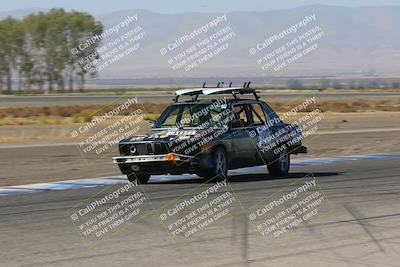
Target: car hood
point(164, 135)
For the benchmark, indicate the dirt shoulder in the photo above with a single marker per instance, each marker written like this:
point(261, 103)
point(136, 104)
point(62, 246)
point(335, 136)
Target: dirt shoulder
point(44, 134)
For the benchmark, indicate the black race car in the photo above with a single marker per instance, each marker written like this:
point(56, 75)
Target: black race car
point(214, 131)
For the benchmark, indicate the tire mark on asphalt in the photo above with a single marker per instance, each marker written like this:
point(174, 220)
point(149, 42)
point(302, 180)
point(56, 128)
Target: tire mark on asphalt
point(356, 215)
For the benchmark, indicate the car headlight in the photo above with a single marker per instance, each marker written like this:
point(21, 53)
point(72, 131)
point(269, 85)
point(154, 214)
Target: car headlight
point(132, 149)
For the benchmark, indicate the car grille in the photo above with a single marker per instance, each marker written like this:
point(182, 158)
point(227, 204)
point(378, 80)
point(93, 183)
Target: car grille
point(144, 149)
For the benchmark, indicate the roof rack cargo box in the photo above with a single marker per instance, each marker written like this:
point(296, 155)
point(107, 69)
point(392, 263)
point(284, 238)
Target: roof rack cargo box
point(219, 89)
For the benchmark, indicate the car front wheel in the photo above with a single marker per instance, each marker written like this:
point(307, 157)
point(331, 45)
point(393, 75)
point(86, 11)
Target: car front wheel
point(141, 178)
point(280, 166)
point(219, 169)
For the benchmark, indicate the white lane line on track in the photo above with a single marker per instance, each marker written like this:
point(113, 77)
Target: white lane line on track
point(101, 181)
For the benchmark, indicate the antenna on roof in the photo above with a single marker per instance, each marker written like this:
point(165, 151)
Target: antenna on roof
point(230, 84)
point(244, 85)
point(204, 85)
point(248, 84)
point(218, 85)
point(222, 84)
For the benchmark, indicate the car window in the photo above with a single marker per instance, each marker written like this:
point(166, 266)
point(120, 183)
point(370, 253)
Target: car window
point(272, 117)
point(186, 113)
point(241, 114)
point(172, 118)
point(257, 114)
point(193, 115)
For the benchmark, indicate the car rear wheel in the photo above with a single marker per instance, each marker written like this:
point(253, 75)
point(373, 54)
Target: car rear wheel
point(141, 178)
point(280, 166)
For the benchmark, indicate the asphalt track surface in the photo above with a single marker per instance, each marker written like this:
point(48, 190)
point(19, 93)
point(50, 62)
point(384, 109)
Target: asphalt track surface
point(357, 224)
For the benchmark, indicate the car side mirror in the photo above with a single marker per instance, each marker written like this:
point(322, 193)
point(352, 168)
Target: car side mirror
point(236, 124)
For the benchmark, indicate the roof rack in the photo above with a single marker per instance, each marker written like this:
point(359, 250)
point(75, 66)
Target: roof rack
point(219, 89)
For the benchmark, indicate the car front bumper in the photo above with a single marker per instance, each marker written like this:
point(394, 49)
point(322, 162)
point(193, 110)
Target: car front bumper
point(157, 164)
point(167, 158)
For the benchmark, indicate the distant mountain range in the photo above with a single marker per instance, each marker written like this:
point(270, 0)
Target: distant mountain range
point(20, 13)
point(357, 40)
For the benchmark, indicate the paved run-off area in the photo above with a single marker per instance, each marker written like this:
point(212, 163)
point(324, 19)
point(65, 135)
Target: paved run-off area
point(357, 225)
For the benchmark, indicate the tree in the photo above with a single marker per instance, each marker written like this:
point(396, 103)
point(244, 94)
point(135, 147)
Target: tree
point(324, 83)
point(336, 84)
point(35, 49)
point(8, 47)
point(82, 28)
point(295, 84)
point(38, 49)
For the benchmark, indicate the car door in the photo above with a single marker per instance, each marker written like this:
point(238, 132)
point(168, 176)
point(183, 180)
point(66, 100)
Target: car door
point(239, 136)
point(276, 128)
point(260, 133)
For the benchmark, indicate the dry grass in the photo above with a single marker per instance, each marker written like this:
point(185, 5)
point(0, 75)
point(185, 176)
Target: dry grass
point(79, 114)
point(9, 120)
point(342, 107)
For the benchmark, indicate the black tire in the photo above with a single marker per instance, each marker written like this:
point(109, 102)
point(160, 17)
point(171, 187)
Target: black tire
point(141, 178)
point(281, 165)
point(220, 166)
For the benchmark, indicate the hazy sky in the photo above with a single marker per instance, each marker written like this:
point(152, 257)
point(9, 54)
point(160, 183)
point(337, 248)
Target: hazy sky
point(173, 6)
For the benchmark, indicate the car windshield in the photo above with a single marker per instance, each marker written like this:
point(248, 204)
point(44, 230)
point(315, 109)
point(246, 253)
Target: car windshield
point(194, 116)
